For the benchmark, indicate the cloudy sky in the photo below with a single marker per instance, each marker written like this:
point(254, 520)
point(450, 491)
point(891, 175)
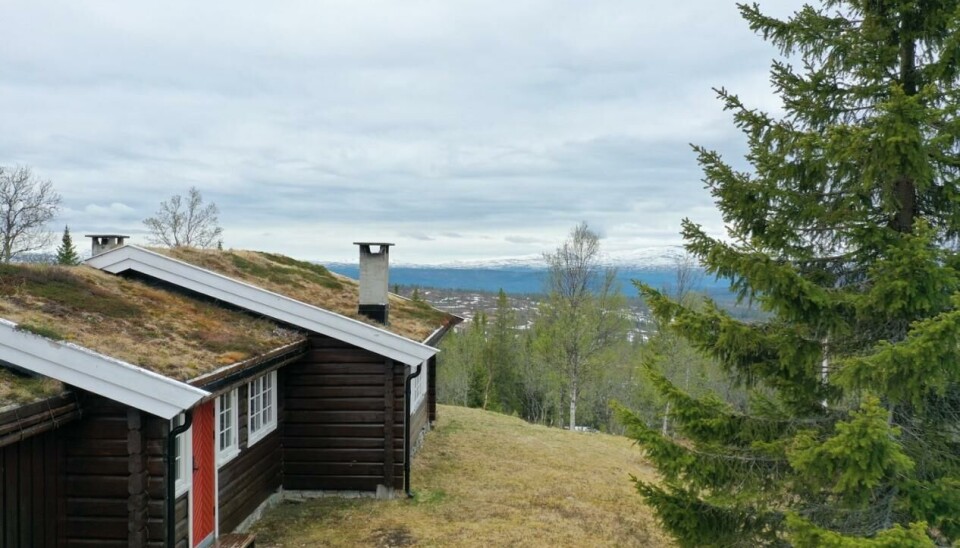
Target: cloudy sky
point(456, 129)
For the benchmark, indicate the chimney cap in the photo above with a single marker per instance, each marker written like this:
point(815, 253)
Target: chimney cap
point(105, 236)
point(374, 243)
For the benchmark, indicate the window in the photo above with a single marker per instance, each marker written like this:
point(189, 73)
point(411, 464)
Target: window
point(227, 443)
point(262, 415)
point(182, 457)
point(418, 388)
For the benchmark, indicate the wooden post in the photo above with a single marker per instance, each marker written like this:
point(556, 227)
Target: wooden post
point(136, 482)
point(388, 420)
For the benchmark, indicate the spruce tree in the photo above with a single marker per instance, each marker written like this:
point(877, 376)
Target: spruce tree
point(479, 387)
point(502, 357)
point(845, 229)
point(67, 252)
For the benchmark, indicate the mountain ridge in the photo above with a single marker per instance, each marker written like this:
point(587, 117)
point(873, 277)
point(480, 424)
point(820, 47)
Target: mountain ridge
point(658, 257)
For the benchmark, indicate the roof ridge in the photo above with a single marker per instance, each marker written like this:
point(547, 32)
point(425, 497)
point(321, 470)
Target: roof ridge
point(262, 301)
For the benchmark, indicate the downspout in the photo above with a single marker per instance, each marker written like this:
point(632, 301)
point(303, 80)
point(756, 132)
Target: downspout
point(406, 430)
point(171, 476)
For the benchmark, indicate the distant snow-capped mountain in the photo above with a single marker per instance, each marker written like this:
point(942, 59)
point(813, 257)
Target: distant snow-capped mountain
point(651, 257)
point(647, 258)
point(527, 274)
point(525, 261)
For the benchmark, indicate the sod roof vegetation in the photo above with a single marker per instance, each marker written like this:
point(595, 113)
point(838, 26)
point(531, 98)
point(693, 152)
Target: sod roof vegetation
point(157, 329)
point(313, 284)
point(168, 332)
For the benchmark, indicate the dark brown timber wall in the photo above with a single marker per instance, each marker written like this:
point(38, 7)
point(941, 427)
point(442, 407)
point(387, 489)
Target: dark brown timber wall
point(343, 421)
point(114, 473)
point(181, 514)
point(255, 474)
point(155, 432)
point(31, 494)
point(432, 388)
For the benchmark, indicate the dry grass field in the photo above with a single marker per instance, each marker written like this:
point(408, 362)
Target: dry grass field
point(484, 479)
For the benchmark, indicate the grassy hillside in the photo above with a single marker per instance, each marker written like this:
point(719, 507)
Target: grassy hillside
point(484, 479)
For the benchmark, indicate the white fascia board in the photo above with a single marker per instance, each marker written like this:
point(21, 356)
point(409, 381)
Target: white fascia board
point(260, 301)
point(88, 370)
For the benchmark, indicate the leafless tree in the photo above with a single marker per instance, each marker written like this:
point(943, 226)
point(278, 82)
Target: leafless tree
point(185, 222)
point(583, 314)
point(687, 276)
point(27, 204)
point(575, 266)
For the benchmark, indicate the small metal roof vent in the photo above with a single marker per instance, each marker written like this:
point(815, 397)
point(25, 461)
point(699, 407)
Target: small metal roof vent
point(105, 242)
point(374, 280)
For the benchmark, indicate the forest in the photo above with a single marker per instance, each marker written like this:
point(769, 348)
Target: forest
point(834, 420)
point(581, 348)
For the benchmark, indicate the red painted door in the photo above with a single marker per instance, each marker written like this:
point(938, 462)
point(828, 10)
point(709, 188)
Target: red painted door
point(204, 468)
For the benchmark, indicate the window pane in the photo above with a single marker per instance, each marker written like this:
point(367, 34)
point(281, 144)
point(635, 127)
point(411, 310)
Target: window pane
point(262, 402)
point(268, 406)
point(178, 457)
point(226, 421)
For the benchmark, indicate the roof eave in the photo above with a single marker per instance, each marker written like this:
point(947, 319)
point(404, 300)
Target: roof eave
point(434, 338)
point(88, 370)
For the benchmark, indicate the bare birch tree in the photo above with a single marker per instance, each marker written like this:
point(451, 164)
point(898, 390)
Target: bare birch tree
point(185, 222)
point(583, 315)
point(27, 204)
point(686, 277)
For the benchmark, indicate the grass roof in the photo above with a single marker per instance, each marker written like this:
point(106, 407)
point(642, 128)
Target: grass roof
point(313, 284)
point(167, 332)
point(158, 329)
point(16, 389)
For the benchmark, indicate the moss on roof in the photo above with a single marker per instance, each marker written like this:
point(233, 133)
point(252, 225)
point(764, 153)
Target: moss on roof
point(313, 284)
point(16, 389)
point(168, 332)
point(158, 329)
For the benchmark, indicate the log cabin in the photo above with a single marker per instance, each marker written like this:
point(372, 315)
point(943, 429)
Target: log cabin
point(167, 397)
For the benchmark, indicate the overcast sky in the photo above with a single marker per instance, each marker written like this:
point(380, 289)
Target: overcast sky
point(456, 129)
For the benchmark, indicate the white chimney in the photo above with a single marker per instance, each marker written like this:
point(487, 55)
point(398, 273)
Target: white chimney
point(374, 280)
point(105, 242)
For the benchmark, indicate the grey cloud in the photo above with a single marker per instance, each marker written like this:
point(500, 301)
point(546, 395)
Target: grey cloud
point(525, 240)
point(417, 236)
point(466, 127)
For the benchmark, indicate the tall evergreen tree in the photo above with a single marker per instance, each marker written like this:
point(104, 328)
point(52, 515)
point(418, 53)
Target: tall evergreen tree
point(503, 357)
point(67, 252)
point(845, 230)
point(479, 363)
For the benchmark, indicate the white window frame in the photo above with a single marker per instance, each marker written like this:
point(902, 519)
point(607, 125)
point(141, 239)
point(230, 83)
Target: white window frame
point(257, 427)
point(229, 452)
point(184, 451)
